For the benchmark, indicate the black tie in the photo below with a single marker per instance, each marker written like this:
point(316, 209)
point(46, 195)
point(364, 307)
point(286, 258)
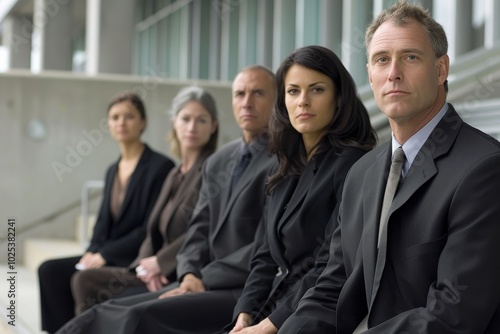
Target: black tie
point(245, 156)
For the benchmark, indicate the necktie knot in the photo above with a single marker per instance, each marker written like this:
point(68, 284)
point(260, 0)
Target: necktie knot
point(398, 156)
point(245, 156)
point(245, 152)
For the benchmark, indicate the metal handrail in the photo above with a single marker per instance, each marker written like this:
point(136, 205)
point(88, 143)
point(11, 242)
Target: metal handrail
point(485, 115)
point(44, 220)
point(87, 187)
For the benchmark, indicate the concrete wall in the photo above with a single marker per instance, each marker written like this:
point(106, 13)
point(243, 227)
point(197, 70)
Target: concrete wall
point(43, 173)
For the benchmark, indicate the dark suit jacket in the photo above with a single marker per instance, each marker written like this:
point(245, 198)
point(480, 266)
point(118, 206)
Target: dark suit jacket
point(219, 241)
point(118, 241)
point(165, 244)
point(299, 210)
point(441, 272)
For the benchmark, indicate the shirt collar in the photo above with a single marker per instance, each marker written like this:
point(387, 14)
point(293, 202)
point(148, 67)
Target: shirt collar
point(255, 145)
point(415, 143)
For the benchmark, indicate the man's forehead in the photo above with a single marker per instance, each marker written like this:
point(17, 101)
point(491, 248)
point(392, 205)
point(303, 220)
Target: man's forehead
point(251, 79)
point(406, 37)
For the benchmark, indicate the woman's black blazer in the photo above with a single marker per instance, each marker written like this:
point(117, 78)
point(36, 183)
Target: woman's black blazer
point(118, 241)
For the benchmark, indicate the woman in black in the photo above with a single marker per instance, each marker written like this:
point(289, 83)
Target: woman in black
point(318, 129)
point(194, 139)
point(132, 185)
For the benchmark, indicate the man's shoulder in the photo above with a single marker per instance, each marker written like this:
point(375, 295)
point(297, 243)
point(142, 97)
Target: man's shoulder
point(225, 152)
point(229, 152)
point(224, 157)
point(371, 156)
point(482, 141)
point(467, 136)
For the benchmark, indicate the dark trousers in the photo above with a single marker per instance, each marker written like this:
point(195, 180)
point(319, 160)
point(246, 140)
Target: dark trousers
point(94, 286)
point(57, 303)
point(205, 312)
point(66, 292)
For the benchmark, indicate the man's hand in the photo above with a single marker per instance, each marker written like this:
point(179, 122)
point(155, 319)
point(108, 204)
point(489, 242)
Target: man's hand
point(244, 320)
point(190, 283)
point(242, 326)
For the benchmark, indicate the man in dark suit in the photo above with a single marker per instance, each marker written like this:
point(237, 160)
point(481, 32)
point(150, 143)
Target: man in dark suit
point(431, 266)
point(214, 261)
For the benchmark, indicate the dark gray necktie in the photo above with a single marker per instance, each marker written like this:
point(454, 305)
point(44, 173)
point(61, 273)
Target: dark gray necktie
point(245, 156)
point(398, 159)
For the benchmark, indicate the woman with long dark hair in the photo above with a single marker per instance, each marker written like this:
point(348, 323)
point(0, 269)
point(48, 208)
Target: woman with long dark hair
point(319, 128)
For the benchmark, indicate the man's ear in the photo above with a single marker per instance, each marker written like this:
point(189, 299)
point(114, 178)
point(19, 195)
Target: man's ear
point(369, 75)
point(443, 68)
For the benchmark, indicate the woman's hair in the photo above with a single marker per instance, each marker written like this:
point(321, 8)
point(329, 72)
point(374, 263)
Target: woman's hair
point(203, 97)
point(350, 126)
point(132, 98)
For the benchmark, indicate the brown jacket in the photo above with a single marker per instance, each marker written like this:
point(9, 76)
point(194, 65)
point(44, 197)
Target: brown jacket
point(166, 243)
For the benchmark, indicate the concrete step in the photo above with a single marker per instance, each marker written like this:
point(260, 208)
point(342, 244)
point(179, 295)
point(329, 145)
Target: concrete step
point(39, 250)
point(27, 295)
point(26, 301)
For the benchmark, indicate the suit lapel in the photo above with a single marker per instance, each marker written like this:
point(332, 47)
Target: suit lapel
point(134, 180)
point(110, 178)
point(423, 167)
point(165, 196)
point(298, 193)
point(186, 188)
point(228, 197)
point(421, 171)
point(372, 204)
point(280, 205)
point(152, 238)
point(162, 198)
point(281, 208)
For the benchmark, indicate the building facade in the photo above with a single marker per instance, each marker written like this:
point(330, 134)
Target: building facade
point(210, 39)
